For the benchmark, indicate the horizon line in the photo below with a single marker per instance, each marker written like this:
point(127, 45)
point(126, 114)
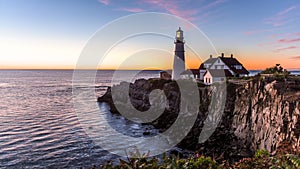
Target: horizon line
point(71, 69)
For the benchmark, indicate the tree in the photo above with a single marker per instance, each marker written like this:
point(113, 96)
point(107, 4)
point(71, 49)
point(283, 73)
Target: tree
point(277, 69)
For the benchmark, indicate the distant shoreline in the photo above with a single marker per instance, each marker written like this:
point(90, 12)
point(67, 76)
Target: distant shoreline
point(291, 69)
point(294, 71)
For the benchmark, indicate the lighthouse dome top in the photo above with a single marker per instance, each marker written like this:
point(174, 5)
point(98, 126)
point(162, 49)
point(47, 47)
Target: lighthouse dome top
point(179, 35)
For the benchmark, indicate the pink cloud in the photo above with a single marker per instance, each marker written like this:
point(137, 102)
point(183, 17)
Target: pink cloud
point(295, 57)
point(294, 34)
point(257, 31)
point(134, 10)
point(213, 4)
point(289, 40)
point(105, 2)
point(285, 35)
point(287, 48)
point(279, 40)
point(284, 12)
point(173, 8)
point(297, 33)
point(187, 14)
point(281, 18)
point(209, 11)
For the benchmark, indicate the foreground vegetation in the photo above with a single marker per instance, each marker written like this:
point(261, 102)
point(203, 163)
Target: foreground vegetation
point(261, 160)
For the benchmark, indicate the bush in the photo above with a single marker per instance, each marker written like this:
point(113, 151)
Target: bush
point(261, 160)
point(261, 154)
point(277, 71)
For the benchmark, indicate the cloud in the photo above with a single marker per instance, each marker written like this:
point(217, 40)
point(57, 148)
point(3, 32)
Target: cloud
point(293, 34)
point(134, 10)
point(175, 7)
point(287, 35)
point(213, 4)
point(281, 18)
point(172, 8)
point(284, 12)
point(295, 57)
point(254, 32)
point(289, 40)
point(105, 2)
point(282, 42)
point(296, 34)
point(286, 48)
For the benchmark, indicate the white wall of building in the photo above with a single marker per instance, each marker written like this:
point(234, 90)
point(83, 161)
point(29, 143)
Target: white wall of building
point(208, 79)
point(188, 76)
point(219, 64)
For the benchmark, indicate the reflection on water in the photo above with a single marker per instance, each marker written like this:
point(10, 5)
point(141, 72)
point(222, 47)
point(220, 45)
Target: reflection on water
point(39, 127)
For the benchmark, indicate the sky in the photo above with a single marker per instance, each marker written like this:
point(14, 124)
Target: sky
point(51, 34)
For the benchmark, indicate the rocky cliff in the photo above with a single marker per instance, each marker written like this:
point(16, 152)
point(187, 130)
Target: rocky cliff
point(258, 114)
point(266, 113)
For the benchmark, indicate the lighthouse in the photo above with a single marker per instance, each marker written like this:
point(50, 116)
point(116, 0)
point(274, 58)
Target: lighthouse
point(178, 64)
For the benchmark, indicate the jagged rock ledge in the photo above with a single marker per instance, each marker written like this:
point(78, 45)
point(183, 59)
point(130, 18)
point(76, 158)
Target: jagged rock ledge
point(259, 114)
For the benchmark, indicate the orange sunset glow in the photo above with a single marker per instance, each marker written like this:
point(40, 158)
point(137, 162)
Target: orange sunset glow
point(267, 37)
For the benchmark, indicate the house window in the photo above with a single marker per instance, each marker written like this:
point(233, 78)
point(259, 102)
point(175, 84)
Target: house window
point(238, 66)
point(207, 80)
point(206, 65)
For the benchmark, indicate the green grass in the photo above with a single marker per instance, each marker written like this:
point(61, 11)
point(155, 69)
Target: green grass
point(261, 160)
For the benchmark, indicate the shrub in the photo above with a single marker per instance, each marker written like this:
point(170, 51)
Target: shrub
point(261, 160)
point(277, 71)
point(261, 154)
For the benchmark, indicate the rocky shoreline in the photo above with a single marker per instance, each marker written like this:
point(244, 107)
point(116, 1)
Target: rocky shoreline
point(259, 114)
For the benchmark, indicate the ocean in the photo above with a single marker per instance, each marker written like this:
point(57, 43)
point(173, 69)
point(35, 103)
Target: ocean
point(39, 127)
point(292, 71)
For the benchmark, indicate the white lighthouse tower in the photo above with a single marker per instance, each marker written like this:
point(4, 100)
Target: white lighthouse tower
point(179, 63)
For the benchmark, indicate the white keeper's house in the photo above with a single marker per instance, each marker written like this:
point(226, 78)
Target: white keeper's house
point(219, 68)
